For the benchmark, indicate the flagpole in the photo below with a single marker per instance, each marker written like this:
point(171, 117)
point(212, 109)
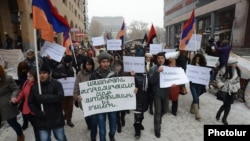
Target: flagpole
point(37, 66)
point(73, 51)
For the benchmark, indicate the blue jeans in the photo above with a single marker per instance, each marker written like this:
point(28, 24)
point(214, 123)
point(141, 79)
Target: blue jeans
point(59, 134)
point(196, 91)
point(112, 116)
point(93, 126)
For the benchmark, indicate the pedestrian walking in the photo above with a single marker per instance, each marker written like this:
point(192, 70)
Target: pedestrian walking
point(8, 110)
point(161, 95)
point(51, 118)
point(228, 81)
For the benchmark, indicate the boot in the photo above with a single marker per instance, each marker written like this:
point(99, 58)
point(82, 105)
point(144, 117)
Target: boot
point(196, 112)
point(219, 112)
point(112, 138)
point(25, 122)
point(123, 113)
point(192, 108)
point(151, 110)
point(20, 137)
point(137, 130)
point(224, 118)
point(119, 126)
point(174, 107)
point(158, 133)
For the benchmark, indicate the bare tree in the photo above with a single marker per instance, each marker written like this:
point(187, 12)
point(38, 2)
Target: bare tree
point(95, 29)
point(160, 33)
point(136, 30)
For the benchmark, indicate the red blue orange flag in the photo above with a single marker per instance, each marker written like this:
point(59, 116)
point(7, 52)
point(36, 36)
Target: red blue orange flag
point(121, 33)
point(47, 19)
point(151, 35)
point(187, 31)
point(67, 42)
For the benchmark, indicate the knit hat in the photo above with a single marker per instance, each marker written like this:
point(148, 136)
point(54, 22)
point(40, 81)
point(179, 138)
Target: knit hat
point(67, 59)
point(45, 68)
point(231, 61)
point(104, 55)
point(149, 55)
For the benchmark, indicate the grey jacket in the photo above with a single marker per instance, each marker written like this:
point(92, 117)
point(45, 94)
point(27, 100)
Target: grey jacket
point(8, 90)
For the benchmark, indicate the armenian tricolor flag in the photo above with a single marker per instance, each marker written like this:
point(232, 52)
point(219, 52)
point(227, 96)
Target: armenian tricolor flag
point(187, 31)
point(121, 33)
point(47, 19)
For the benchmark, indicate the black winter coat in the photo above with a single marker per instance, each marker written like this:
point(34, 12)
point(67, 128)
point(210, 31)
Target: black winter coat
point(141, 95)
point(51, 99)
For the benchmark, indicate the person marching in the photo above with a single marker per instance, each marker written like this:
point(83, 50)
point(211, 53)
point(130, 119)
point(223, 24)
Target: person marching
point(228, 80)
point(65, 70)
point(88, 66)
point(161, 95)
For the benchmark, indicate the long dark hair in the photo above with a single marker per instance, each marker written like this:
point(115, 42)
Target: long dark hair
point(33, 72)
point(91, 62)
point(229, 72)
point(202, 61)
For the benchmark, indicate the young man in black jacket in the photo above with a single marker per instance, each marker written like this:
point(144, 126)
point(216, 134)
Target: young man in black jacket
point(50, 118)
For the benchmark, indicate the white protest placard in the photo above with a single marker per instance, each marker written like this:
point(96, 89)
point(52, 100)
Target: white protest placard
point(194, 43)
point(212, 61)
point(169, 50)
point(98, 41)
point(55, 51)
point(169, 55)
point(172, 75)
point(114, 44)
point(68, 85)
point(136, 64)
point(107, 95)
point(198, 74)
point(155, 48)
point(13, 57)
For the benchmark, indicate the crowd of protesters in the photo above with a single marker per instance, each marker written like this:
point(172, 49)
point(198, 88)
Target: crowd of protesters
point(47, 109)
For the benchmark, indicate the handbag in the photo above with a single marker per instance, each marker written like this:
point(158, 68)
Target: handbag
point(220, 95)
point(183, 90)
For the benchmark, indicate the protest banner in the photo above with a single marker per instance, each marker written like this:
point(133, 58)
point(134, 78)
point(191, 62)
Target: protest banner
point(194, 43)
point(12, 58)
point(55, 51)
point(98, 41)
point(68, 85)
point(212, 61)
point(198, 74)
point(172, 76)
point(114, 44)
point(136, 64)
point(107, 95)
point(155, 48)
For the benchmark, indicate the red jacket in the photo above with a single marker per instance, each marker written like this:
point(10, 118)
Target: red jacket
point(24, 95)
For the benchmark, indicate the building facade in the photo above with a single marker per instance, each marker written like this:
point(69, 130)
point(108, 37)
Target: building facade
point(16, 20)
point(110, 25)
point(218, 19)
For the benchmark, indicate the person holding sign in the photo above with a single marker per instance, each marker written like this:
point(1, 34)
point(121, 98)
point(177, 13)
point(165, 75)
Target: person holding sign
point(197, 89)
point(161, 95)
point(83, 75)
point(118, 68)
point(64, 70)
point(174, 90)
point(104, 71)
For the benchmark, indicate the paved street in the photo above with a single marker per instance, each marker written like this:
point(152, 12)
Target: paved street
point(183, 127)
